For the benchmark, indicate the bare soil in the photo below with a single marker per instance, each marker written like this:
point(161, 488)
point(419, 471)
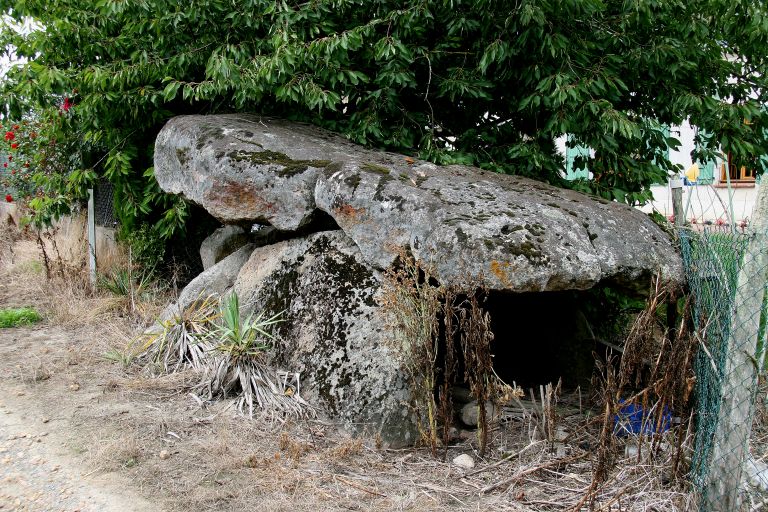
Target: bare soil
point(82, 432)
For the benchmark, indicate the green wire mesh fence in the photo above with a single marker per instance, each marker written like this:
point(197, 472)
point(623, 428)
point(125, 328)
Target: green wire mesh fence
point(726, 273)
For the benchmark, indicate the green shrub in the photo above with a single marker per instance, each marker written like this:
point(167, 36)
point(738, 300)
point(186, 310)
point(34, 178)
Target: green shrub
point(492, 84)
point(15, 317)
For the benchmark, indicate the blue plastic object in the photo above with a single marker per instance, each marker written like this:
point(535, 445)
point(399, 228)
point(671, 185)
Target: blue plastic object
point(633, 419)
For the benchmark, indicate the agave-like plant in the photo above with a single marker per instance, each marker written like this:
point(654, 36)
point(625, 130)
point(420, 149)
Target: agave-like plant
point(239, 338)
point(240, 364)
point(182, 341)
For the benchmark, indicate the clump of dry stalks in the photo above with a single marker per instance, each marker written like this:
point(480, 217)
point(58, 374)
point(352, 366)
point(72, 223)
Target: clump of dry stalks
point(567, 442)
point(427, 319)
point(655, 375)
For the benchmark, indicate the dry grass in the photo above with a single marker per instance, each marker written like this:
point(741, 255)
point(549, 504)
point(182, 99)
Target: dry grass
point(67, 298)
point(219, 461)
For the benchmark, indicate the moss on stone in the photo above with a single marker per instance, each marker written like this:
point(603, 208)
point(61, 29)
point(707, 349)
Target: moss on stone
point(208, 133)
point(352, 181)
point(289, 165)
point(371, 167)
point(379, 194)
point(529, 251)
point(535, 229)
point(461, 236)
point(333, 167)
point(507, 229)
point(182, 155)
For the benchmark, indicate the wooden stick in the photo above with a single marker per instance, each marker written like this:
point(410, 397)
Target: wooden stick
point(616, 497)
point(520, 474)
point(358, 487)
point(504, 459)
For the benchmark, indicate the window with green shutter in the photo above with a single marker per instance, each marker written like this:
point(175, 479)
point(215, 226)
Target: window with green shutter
point(571, 153)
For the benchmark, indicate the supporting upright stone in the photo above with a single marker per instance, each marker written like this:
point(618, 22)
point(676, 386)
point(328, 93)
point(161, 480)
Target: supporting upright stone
point(221, 243)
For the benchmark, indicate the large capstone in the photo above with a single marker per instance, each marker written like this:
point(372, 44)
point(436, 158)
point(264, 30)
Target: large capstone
point(502, 232)
point(475, 227)
point(334, 333)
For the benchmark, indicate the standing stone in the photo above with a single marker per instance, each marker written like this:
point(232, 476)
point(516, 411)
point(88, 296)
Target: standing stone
point(217, 280)
point(334, 333)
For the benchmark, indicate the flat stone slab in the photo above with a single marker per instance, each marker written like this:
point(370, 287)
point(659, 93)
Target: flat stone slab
point(504, 232)
point(475, 227)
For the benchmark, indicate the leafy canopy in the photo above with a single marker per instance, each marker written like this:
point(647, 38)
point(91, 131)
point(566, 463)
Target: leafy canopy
point(486, 82)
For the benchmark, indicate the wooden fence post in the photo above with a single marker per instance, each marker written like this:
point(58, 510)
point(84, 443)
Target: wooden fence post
point(91, 239)
point(676, 184)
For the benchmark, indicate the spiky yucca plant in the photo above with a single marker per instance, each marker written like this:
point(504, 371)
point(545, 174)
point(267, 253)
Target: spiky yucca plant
point(238, 364)
point(239, 338)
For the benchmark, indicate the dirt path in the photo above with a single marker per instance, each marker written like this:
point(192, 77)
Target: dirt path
point(39, 474)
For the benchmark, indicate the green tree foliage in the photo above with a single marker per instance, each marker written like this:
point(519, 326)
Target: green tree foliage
point(484, 82)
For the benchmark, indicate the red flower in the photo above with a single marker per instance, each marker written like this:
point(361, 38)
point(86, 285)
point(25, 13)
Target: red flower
point(15, 127)
point(10, 136)
point(8, 198)
point(67, 105)
point(13, 172)
point(5, 164)
point(14, 145)
point(10, 157)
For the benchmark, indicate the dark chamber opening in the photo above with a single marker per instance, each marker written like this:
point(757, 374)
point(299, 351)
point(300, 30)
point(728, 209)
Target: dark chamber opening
point(540, 338)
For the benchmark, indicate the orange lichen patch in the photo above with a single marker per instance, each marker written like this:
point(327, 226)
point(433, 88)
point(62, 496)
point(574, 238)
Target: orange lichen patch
point(239, 195)
point(347, 210)
point(499, 269)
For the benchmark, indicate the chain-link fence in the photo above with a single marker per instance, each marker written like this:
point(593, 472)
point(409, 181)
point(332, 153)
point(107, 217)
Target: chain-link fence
point(727, 275)
point(104, 204)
